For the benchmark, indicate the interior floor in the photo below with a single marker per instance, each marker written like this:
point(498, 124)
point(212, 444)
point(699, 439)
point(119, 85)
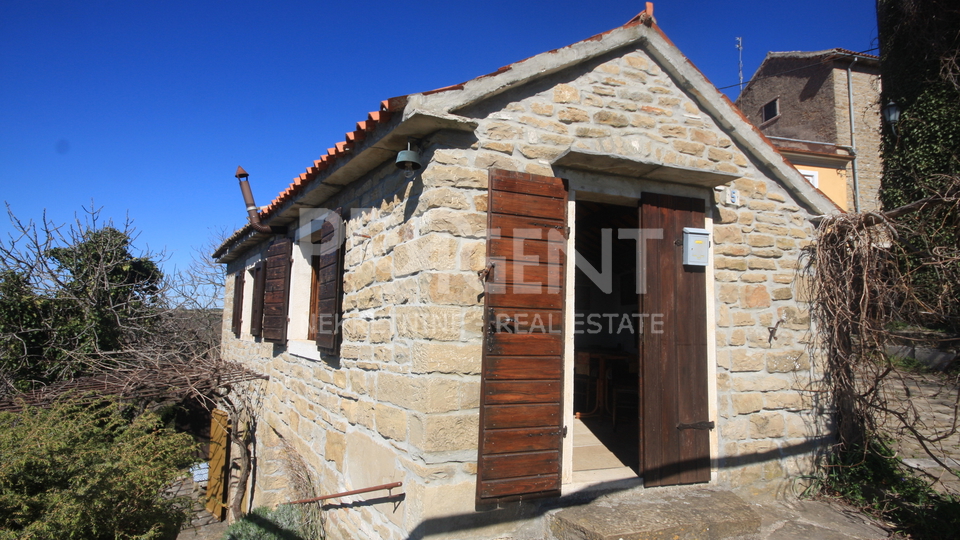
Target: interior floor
point(606, 443)
point(602, 454)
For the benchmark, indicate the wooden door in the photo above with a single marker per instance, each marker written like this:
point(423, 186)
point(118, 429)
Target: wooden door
point(675, 439)
point(521, 423)
point(218, 479)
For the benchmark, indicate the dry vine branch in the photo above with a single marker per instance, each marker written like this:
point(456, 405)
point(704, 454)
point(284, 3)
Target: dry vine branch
point(864, 271)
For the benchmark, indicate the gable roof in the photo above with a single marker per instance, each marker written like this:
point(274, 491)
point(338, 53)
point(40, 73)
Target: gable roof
point(385, 132)
point(815, 57)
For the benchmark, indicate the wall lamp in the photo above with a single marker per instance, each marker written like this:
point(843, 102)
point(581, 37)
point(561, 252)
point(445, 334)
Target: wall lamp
point(891, 115)
point(409, 161)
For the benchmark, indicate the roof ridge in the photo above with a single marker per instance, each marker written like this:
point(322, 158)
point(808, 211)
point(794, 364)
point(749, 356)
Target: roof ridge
point(389, 106)
point(344, 149)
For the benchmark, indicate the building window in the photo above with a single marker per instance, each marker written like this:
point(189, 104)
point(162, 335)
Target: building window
point(812, 176)
point(770, 110)
point(276, 291)
point(316, 285)
point(326, 289)
point(237, 319)
point(258, 275)
point(314, 297)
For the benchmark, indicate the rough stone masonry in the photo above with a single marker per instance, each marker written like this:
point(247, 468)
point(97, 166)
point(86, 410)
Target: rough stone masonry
point(401, 401)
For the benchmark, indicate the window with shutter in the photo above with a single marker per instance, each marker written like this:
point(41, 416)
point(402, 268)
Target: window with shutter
point(328, 286)
point(276, 291)
point(256, 309)
point(237, 303)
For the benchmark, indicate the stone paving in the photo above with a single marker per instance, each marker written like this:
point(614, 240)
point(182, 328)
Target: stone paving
point(203, 526)
point(687, 513)
point(785, 517)
point(930, 399)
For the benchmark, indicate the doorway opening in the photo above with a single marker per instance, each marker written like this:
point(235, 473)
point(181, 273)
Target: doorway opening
point(607, 328)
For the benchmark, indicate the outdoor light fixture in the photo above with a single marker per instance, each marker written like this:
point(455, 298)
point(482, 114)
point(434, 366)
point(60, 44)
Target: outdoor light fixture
point(409, 161)
point(891, 115)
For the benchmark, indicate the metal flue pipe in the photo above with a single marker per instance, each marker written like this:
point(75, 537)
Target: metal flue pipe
point(252, 210)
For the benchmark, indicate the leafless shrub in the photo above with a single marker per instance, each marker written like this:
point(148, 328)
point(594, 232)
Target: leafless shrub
point(304, 486)
point(870, 275)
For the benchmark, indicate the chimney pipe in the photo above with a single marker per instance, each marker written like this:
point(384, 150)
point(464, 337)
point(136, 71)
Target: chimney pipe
point(252, 212)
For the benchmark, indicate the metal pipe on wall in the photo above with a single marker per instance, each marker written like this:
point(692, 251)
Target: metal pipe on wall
point(253, 212)
point(853, 137)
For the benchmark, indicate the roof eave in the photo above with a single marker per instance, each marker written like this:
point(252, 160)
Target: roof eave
point(374, 151)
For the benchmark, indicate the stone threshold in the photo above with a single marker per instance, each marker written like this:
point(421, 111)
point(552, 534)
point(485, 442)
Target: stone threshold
point(684, 513)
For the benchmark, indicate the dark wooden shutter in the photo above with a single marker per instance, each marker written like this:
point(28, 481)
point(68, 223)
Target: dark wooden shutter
point(521, 424)
point(329, 279)
point(256, 310)
point(675, 436)
point(277, 291)
point(237, 320)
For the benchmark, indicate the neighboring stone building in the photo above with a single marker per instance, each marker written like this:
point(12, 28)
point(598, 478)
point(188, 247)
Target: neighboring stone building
point(472, 353)
point(802, 101)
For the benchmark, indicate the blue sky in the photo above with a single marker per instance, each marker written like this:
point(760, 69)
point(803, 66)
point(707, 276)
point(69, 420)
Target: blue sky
point(147, 108)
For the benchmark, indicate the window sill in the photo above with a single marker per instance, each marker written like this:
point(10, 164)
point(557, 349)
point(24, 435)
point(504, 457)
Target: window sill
point(303, 349)
point(766, 123)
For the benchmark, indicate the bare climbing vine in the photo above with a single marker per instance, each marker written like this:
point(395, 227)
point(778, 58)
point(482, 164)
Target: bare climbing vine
point(881, 283)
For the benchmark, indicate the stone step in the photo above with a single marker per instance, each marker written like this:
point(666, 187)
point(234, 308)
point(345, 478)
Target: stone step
point(674, 514)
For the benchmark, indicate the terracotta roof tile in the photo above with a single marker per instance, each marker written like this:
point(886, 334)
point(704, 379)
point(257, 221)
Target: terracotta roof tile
point(375, 118)
point(848, 51)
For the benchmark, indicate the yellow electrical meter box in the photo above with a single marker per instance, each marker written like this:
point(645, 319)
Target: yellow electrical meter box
point(696, 246)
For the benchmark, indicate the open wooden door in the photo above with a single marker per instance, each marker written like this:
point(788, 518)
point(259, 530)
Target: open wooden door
point(675, 438)
point(521, 424)
point(219, 472)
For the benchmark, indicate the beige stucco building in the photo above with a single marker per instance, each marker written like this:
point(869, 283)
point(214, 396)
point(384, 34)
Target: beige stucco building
point(525, 316)
point(822, 111)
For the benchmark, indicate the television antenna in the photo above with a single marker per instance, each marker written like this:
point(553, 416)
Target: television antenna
point(740, 62)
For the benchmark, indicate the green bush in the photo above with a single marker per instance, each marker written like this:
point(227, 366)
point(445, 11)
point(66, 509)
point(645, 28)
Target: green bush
point(878, 481)
point(89, 472)
point(286, 522)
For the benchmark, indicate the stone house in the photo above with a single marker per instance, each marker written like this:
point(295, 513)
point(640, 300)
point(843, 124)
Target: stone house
point(822, 111)
point(591, 280)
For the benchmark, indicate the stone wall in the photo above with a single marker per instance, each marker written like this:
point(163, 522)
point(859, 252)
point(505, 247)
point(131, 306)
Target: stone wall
point(626, 106)
point(401, 402)
point(806, 89)
point(814, 107)
point(867, 125)
point(764, 377)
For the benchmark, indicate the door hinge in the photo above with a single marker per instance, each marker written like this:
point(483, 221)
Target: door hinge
point(697, 425)
point(562, 433)
point(548, 225)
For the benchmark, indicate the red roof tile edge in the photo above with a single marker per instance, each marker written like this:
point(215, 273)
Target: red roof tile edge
point(387, 107)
